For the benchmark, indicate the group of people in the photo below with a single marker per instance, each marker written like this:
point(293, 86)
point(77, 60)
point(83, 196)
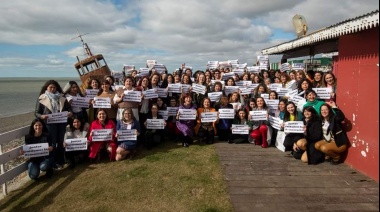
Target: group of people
point(323, 137)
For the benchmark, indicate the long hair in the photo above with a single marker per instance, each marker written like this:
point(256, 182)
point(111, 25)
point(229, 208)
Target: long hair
point(299, 85)
point(103, 83)
point(314, 116)
point(31, 128)
point(102, 109)
point(287, 114)
point(89, 83)
point(51, 82)
point(72, 128)
point(127, 110)
point(331, 112)
point(68, 87)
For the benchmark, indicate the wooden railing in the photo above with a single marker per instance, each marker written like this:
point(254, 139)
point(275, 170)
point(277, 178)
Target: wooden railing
point(8, 175)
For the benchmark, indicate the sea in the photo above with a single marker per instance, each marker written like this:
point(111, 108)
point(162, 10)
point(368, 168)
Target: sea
point(19, 95)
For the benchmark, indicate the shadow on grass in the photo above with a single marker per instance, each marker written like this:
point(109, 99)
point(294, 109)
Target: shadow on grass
point(19, 198)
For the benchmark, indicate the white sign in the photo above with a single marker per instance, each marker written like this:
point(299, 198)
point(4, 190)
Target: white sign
point(132, 96)
point(130, 134)
point(164, 114)
point(102, 135)
point(214, 96)
point(209, 117)
point(226, 113)
point(185, 88)
point(150, 94)
point(174, 88)
point(91, 93)
point(83, 102)
point(293, 127)
point(76, 144)
point(57, 117)
point(228, 75)
point(102, 102)
point(253, 69)
point(245, 91)
point(197, 88)
point(265, 96)
point(275, 122)
point(274, 86)
point(155, 124)
point(283, 91)
point(292, 85)
point(296, 99)
point(258, 115)
point(240, 129)
point(230, 89)
point(35, 150)
point(162, 92)
point(172, 111)
point(243, 84)
point(272, 103)
point(323, 93)
point(187, 114)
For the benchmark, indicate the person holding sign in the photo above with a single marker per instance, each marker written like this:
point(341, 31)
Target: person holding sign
point(102, 122)
point(77, 130)
point(224, 125)
point(198, 97)
point(93, 83)
point(38, 134)
point(105, 92)
point(304, 149)
point(122, 104)
point(51, 101)
point(71, 90)
point(291, 114)
point(303, 86)
point(317, 81)
point(259, 134)
point(126, 146)
point(285, 79)
point(205, 130)
point(329, 81)
point(186, 126)
point(260, 89)
point(240, 119)
point(335, 140)
point(153, 137)
point(171, 127)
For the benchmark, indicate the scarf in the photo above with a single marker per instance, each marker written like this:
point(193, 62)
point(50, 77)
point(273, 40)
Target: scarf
point(316, 104)
point(54, 100)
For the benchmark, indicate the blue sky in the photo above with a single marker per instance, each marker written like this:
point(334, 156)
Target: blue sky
point(36, 39)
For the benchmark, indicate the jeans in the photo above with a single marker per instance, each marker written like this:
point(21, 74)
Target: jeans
point(57, 134)
point(34, 168)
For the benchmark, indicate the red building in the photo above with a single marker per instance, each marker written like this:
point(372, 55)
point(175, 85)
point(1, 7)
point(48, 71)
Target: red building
point(357, 71)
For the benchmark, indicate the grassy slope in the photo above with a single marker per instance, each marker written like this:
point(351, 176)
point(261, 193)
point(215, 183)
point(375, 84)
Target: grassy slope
point(167, 178)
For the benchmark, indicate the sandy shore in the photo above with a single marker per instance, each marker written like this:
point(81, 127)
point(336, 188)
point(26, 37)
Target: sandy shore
point(14, 122)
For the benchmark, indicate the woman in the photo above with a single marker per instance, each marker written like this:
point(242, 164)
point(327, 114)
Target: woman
point(111, 80)
point(273, 95)
point(329, 81)
point(240, 119)
point(280, 112)
point(256, 79)
point(50, 101)
point(317, 83)
point(93, 84)
point(313, 133)
point(38, 133)
point(105, 92)
point(292, 75)
point(169, 79)
point(235, 101)
point(285, 79)
point(186, 126)
point(335, 141)
point(102, 122)
point(303, 86)
point(198, 97)
point(122, 105)
point(72, 90)
point(251, 104)
point(259, 134)
point(154, 137)
point(206, 130)
point(311, 100)
point(171, 127)
point(291, 114)
point(78, 129)
point(224, 125)
point(260, 89)
point(145, 103)
point(126, 147)
point(300, 74)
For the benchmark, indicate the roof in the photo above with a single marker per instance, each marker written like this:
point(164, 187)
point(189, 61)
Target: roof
point(349, 26)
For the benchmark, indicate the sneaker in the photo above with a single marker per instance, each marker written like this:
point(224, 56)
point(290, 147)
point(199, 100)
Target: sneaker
point(185, 144)
point(230, 142)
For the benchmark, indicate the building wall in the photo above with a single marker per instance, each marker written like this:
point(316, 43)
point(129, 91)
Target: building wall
point(357, 72)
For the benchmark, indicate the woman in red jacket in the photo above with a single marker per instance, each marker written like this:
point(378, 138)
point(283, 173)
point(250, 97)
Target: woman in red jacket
point(102, 122)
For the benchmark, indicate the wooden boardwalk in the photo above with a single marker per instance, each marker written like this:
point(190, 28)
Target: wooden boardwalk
point(262, 180)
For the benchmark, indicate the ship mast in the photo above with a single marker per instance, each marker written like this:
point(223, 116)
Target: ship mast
point(85, 46)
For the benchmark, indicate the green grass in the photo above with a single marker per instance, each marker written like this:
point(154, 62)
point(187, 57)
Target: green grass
point(167, 178)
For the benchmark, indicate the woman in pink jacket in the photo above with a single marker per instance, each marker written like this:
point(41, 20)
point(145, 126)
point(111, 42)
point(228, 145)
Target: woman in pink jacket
point(102, 122)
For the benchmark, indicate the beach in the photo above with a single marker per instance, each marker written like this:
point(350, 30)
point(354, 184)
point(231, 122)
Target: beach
point(14, 122)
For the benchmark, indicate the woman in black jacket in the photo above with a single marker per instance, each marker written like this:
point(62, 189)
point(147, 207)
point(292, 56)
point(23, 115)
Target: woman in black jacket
point(335, 140)
point(38, 134)
point(313, 134)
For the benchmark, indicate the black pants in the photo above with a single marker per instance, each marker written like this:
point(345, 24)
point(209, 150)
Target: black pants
point(206, 135)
